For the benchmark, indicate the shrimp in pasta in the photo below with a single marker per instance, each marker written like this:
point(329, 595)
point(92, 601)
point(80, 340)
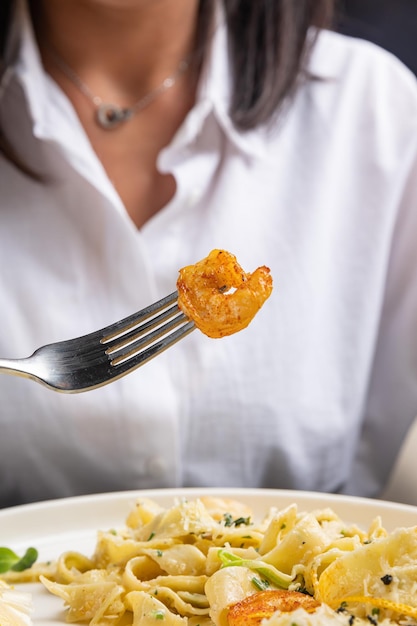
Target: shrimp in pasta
point(254, 608)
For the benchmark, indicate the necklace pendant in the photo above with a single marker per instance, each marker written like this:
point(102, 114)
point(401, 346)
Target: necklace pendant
point(110, 116)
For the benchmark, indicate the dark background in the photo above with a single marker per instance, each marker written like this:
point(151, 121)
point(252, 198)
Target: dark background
point(391, 24)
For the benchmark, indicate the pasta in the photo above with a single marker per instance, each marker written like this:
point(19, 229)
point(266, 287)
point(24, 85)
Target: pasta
point(219, 296)
point(15, 607)
point(208, 562)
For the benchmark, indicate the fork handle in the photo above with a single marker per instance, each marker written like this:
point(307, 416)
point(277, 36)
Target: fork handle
point(17, 367)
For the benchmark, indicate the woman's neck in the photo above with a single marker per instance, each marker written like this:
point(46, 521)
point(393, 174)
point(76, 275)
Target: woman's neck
point(123, 51)
point(125, 46)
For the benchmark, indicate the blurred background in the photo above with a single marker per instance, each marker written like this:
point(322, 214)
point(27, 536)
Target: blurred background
point(391, 24)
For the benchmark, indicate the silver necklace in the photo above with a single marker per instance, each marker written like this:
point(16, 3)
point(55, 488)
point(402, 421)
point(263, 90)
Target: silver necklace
point(109, 116)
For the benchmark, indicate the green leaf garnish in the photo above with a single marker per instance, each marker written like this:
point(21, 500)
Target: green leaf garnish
point(9, 560)
point(266, 570)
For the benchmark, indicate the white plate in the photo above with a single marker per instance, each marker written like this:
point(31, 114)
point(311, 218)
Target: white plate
point(56, 526)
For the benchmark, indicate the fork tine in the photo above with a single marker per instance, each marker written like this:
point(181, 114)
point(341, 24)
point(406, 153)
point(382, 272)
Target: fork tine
point(138, 340)
point(132, 332)
point(126, 365)
point(141, 336)
point(132, 321)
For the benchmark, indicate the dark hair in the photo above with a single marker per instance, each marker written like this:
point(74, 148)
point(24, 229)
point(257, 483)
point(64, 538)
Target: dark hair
point(6, 11)
point(268, 41)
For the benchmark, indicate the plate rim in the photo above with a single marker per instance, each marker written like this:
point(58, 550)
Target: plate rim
point(316, 498)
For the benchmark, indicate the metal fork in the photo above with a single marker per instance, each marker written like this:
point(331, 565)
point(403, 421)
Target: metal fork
point(97, 359)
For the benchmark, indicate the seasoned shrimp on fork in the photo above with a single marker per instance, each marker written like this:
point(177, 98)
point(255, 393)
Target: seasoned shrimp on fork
point(219, 296)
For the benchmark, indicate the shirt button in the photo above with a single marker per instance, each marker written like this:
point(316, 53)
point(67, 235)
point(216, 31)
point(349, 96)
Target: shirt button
point(156, 467)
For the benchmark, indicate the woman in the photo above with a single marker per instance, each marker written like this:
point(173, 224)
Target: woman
point(236, 125)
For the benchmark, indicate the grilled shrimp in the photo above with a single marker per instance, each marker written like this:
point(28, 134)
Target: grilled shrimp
point(219, 296)
point(253, 609)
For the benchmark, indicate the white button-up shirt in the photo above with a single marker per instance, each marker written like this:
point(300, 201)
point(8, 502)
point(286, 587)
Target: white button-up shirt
point(319, 391)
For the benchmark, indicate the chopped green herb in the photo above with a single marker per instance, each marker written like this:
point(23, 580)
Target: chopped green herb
point(9, 560)
point(229, 521)
point(159, 615)
point(159, 553)
point(151, 536)
point(242, 520)
point(342, 607)
point(260, 583)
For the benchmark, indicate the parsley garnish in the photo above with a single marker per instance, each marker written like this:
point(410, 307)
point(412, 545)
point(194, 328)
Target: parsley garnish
point(229, 521)
point(260, 583)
